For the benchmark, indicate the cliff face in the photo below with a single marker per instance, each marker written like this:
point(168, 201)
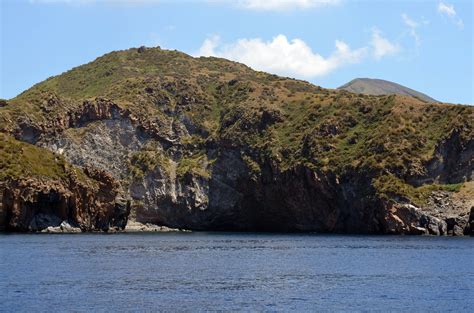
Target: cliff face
point(33, 204)
point(158, 137)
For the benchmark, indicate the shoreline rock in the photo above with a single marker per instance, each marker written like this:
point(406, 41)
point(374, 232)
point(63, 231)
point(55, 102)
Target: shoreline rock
point(137, 227)
point(63, 228)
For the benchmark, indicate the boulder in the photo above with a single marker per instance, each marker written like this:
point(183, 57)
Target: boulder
point(64, 227)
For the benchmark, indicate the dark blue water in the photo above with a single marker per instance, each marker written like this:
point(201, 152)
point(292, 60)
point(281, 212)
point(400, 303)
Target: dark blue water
point(236, 272)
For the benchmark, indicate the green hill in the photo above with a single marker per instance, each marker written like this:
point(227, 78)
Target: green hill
point(206, 143)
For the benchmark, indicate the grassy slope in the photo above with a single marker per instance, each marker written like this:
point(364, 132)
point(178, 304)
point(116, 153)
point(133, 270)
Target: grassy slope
point(23, 160)
point(325, 129)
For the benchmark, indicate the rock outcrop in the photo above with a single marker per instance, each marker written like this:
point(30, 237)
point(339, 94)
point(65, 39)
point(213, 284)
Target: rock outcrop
point(63, 206)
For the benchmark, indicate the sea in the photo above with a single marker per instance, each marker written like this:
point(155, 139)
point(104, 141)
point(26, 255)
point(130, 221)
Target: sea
point(236, 272)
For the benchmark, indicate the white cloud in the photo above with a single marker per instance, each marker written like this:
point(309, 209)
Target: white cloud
point(208, 46)
point(382, 46)
point(412, 25)
point(280, 5)
point(280, 56)
point(449, 11)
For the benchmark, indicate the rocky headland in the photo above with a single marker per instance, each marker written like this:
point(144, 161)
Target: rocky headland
point(151, 139)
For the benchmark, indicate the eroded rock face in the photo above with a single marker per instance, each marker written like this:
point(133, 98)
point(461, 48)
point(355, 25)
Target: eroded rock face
point(101, 137)
point(453, 162)
point(36, 204)
point(164, 199)
point(103, 144)
point(299, 199)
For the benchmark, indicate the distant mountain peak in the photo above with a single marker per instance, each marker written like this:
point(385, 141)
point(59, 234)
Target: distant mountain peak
point(371, 86)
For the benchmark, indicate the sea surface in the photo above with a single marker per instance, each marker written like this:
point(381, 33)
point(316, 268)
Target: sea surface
point(194, 272)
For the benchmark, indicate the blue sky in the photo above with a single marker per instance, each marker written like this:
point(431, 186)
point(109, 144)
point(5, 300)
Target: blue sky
point(425, 45)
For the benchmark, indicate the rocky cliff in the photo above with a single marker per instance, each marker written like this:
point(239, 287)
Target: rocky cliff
point(158, 137)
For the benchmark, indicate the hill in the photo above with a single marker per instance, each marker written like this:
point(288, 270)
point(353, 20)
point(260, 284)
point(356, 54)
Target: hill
point(378, 87)
point(210, 144)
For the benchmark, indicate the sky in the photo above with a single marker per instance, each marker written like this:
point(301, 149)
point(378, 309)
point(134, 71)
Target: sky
point(424, 45)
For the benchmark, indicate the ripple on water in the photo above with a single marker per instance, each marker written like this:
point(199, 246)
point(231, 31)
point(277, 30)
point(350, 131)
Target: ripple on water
point(227, 271)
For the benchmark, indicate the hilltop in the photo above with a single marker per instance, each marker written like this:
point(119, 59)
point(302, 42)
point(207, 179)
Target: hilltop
point(210, 144)
point(368, 86)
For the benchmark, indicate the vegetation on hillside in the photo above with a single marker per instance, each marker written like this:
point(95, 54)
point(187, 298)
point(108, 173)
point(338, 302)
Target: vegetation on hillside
point(23, 160)
point(264, 116)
